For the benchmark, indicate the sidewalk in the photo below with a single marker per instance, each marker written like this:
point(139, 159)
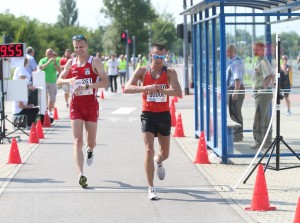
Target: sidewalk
point(283, 186)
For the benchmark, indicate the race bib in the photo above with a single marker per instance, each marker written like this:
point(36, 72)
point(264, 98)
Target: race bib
point(157, 97)
point(81, 82)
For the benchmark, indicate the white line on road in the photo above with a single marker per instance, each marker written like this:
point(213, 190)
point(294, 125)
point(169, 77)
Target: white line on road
point(123, 111)
point(122, 189)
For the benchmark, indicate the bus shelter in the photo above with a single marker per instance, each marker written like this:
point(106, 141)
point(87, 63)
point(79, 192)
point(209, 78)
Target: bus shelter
point(215, 24)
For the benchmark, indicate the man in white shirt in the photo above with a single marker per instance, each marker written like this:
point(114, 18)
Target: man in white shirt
point(113, 71)
point(22, 71)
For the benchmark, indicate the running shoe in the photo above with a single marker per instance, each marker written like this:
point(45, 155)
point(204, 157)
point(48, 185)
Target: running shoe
point(50, 114)
point(89, 157)
point(82, 181)
point(160, 170)
point(152, 193)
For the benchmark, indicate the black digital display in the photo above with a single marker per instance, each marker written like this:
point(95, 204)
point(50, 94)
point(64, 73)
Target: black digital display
point(12, 50)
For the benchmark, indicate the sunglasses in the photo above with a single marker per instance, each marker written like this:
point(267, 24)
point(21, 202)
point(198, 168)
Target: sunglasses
point(79, 37)
point(158, 57)
point(284, 58)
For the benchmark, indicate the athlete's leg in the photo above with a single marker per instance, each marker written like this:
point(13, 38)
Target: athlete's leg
point(148, 162)
point(91, 132)
point(164, 148)
point(77, 126)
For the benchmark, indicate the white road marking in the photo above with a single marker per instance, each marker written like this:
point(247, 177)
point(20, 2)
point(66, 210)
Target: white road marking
point(120, 189)
point(117, 119)
point(123, 111)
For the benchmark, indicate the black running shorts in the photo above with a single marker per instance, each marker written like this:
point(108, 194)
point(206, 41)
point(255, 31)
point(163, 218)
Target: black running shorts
point(156, 122)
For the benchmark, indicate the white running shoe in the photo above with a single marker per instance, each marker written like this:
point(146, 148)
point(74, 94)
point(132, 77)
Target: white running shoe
point(89, 157)
point(152, 193)
point(160, 170)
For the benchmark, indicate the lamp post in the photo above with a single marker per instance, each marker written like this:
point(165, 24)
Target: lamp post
point(149, 41)
point(185, 52)
point(127, 55)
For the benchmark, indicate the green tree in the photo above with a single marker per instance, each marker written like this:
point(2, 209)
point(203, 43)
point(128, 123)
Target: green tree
point(131, 15)
point(164, 31)
point(69, 13)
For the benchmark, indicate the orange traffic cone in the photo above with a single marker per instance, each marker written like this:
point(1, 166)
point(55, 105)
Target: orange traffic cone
point(39, 129)
point(46, 121)
point(175, 99)
point(202, 156)
point(297, 215)
point(260, 198)
point(102, 94)
point(55, 116)
point(14, 155)
point(173, 116)
point(33, 137)
point(179, 128)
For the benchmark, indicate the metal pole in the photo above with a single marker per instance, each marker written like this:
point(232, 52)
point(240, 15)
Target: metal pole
point(191, 51)
point(149, 42)
point(185, 52)
point(127, 55)
point(133, 52)
point(2, 111)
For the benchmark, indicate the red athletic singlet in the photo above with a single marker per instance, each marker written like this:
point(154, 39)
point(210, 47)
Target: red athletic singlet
point(156, 102)
point(85, 75)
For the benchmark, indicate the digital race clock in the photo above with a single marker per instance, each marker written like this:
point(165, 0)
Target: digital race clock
point(12, 50)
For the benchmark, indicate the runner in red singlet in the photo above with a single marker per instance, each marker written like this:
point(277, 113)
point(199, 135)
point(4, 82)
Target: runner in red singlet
point(85, 75)
point(158, 83)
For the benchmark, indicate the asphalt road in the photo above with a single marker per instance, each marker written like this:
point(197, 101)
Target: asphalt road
point(45, 188)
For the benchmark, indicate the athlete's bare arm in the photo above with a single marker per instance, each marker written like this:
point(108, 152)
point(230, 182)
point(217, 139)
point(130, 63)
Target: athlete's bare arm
point(98, 69)
point(62, 77)
point(131, 86)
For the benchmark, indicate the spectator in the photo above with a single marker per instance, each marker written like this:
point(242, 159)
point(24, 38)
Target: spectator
point(285, 84)
point(22, 71)
point(51, 67)
point(32, 65)
point(113, 71)
point(122, 70)
point(23, 107)
point(236, 89)
point(262, 78)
